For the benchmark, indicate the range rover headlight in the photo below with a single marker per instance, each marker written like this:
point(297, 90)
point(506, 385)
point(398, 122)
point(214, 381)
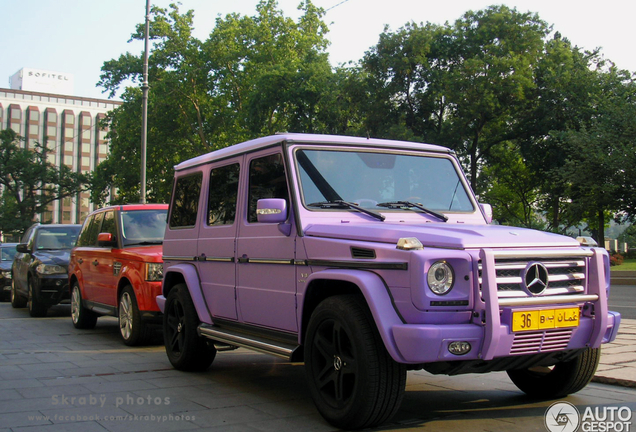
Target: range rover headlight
point(440, 277)
point(154, 272)
point(48, 269)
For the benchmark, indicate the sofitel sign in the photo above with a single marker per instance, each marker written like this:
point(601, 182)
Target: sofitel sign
point(42, 81)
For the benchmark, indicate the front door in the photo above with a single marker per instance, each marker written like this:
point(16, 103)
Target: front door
point(266, 285)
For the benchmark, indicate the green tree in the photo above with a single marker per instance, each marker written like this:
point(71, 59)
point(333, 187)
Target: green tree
point(30, 183)
point(253, 76)
point(461, 85)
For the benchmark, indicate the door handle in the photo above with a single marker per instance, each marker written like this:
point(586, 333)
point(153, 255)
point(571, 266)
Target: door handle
point(95, 263)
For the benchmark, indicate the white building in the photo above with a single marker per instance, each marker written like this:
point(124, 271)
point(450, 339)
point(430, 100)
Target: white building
point(40, 111)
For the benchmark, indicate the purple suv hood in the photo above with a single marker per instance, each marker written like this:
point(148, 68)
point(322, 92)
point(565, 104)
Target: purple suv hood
point(454, 236)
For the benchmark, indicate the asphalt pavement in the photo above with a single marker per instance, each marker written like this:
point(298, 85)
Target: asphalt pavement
point(56, 378)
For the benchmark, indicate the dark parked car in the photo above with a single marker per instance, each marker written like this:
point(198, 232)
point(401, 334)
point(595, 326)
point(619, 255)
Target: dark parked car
point(7, 252)
point(40, 267)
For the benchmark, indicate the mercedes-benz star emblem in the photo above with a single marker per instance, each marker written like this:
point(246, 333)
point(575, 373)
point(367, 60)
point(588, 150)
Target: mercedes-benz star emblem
point(535, 278)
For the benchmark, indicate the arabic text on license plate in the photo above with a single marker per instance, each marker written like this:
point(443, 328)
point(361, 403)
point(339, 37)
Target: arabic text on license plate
point(545, 319)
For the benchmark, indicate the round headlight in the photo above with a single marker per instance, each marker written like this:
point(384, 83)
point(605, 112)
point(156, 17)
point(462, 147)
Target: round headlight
point(440, 278)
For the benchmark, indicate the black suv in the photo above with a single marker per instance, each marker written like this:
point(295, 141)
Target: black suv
point(40, 267)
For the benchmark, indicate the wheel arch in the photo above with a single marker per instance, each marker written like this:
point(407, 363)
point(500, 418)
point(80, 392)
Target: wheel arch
point(367, 285)
point(188, 275)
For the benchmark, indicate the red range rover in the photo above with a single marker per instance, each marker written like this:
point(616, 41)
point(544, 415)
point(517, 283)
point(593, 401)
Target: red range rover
point(116, 269)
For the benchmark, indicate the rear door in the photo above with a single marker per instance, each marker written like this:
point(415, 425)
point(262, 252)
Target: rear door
point(217, 239)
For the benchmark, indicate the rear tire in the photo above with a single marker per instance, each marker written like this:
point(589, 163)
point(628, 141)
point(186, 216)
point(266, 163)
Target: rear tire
point(353, 380)
point(82, 318)
point(186, 350)
point(17, 301)
point(561, 380)
point(37, 309)
point(131, 327)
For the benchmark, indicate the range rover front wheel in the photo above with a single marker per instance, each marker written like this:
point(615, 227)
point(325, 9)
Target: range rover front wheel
point(131, 327)
point(82, 318)
point(559, 380)
point(186, 350)
point(353, 380)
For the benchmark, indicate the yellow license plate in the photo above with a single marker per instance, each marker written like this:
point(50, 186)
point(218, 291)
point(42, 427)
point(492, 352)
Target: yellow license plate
point(545, 319)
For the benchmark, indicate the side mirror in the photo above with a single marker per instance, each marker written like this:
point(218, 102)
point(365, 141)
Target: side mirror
point(486, 210)
point(271, 210)
point(22, 248)
point(106, 240)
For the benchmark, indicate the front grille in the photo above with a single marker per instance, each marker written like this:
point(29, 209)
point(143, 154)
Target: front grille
point(541, 341)
point(565, 275)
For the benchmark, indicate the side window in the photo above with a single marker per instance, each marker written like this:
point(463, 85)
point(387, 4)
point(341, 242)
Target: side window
point(185, 201)
point(90, 230)
point(267, 180)
point(108, 225)
point(222, 197)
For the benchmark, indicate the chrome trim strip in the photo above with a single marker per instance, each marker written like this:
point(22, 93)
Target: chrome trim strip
point(547, 300)
point(220, 259)
point(539, 254)
point(373, 265)
point(270, 261)
point(179, 258)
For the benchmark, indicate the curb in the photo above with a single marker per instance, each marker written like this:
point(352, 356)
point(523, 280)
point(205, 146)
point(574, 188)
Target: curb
point(614, 381)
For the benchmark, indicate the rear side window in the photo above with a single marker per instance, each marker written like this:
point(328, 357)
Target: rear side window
point(223, 192)
point(185, 201)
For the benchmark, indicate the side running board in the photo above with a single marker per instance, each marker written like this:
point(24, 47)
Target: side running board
point(256, 343)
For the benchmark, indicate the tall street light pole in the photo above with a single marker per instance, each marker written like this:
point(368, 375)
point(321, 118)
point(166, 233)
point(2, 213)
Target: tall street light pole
point(144, 109)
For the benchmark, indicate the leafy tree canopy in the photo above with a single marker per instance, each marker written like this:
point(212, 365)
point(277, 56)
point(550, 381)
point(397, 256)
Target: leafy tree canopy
point(30, 183)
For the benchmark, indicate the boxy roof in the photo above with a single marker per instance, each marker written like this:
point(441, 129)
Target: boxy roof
point(296, 138)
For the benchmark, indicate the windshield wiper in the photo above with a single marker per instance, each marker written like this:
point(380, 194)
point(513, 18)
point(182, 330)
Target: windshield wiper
point(347, 204)
point(409, 204)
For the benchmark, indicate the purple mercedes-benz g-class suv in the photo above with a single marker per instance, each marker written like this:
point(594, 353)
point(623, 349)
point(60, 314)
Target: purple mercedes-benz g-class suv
point(366, 258)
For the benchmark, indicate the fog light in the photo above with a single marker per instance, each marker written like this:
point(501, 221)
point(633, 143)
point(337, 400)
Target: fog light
point(459, 348)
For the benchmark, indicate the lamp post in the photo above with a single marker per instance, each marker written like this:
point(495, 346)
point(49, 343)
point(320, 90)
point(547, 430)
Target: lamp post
point(144, 109)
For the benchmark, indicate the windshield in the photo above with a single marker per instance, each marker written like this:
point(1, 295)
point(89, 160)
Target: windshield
point(369, 179)
point(8, 253)
point(143, 227)
point(53, 238)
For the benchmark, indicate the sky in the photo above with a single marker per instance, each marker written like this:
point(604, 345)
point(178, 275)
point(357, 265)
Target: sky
point(78, 36)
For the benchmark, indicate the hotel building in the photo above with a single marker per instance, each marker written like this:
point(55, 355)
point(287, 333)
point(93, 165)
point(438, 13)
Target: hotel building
point(39, 106)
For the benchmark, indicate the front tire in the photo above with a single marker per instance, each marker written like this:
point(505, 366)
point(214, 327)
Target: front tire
point(561, 380)
point(353, 380)
point(131, 327)
point(37, 309)
point(82, 318)
point(17, 301)
point(186, 350)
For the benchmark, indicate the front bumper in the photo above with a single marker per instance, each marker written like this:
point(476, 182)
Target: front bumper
point(429, 343)
point(52, 289)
